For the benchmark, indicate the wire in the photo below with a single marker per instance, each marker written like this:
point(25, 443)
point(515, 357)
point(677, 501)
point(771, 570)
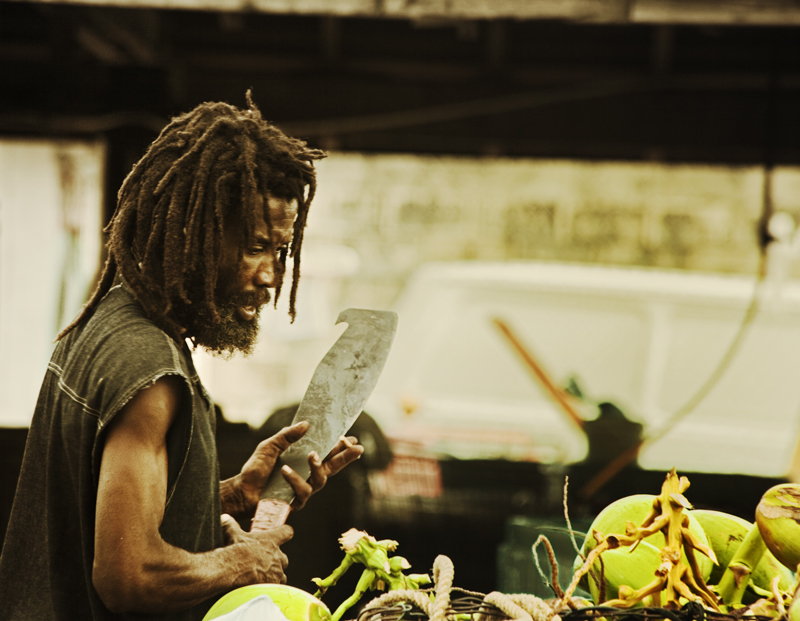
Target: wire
point(613, 468)
point(725, 362)
point(691, 611)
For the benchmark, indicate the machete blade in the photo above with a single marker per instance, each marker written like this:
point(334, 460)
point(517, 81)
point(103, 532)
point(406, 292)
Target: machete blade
point(339, 388)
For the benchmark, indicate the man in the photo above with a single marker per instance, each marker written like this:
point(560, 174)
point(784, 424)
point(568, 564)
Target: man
point(119, 509)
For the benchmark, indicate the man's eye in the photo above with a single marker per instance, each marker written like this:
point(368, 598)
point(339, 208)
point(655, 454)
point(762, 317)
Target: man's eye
point(262, 248)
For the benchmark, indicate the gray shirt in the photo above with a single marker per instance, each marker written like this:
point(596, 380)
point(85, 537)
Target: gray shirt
point(46, 563)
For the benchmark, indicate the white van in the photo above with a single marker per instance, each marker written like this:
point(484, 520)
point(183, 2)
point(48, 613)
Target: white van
point(646, 340)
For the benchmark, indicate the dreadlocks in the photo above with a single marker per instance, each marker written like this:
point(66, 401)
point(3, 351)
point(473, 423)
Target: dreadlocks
point(205, 169)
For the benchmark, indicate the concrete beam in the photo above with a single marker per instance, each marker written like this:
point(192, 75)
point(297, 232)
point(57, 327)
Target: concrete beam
point(689, 12)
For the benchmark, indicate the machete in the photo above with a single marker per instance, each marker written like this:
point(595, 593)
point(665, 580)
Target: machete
point(339, 388)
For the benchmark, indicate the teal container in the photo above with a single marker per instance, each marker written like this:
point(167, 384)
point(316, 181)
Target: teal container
point(516, 570)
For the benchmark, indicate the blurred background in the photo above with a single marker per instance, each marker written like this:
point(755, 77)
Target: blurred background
point(584, 213)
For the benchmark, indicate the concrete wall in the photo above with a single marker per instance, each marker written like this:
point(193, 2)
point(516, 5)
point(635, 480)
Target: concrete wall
point(401, 211)
point(377, 218)
point(50, 239)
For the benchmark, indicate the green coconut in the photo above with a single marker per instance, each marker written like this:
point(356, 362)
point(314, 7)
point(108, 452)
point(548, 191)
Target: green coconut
point(294, 603)
point(725, 534)
point(621, 567)
point(778, 519)
point(635, 509)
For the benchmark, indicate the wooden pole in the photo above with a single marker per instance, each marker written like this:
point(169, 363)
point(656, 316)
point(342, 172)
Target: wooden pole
point(558, 394)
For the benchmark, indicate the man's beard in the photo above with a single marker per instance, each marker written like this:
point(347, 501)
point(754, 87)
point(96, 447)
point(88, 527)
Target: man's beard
point(231, 333)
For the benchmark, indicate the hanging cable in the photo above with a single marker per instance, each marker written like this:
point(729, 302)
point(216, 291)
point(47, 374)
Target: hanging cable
point(764, 239)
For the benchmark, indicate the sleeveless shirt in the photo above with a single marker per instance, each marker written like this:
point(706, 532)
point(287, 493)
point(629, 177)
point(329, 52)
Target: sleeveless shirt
point(46, 563)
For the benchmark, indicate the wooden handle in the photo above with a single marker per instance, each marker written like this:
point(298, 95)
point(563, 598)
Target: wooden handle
point(557, 393)
point(270, 513)
point(610, 470)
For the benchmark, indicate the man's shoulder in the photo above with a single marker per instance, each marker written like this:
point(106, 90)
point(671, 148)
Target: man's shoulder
point(116, 353)
point(119, 304)
point(119, 322)
point(120, 340)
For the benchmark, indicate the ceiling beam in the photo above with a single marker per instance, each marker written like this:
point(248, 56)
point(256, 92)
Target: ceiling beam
point(688, 12)
point(723, 13)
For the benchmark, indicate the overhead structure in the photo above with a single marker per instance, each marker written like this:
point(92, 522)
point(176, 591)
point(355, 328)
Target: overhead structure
point(731, 12)
point(658, 80)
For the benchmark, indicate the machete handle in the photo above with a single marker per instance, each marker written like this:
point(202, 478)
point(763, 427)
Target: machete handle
point(270, 513)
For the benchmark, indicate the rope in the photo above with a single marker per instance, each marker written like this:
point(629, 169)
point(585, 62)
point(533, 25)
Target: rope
point(517, 607)
point(585, 568)
point(551, 556)
point(522, 606)
point(505, 603)
point(537, 607)
point(443, 573)
point(436, 610)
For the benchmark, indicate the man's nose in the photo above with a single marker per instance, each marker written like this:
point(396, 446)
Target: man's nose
point(265, 273)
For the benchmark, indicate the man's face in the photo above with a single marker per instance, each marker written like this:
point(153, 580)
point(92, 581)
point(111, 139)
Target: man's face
point(243, 287)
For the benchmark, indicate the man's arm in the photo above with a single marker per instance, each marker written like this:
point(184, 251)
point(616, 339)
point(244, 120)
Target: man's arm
point(134, 568)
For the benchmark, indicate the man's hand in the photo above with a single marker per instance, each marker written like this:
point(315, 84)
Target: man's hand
point(346, 451)
point(260, 551)
point(241, 494)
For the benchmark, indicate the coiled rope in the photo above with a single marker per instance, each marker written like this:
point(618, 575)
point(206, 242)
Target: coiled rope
point(516, 607)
